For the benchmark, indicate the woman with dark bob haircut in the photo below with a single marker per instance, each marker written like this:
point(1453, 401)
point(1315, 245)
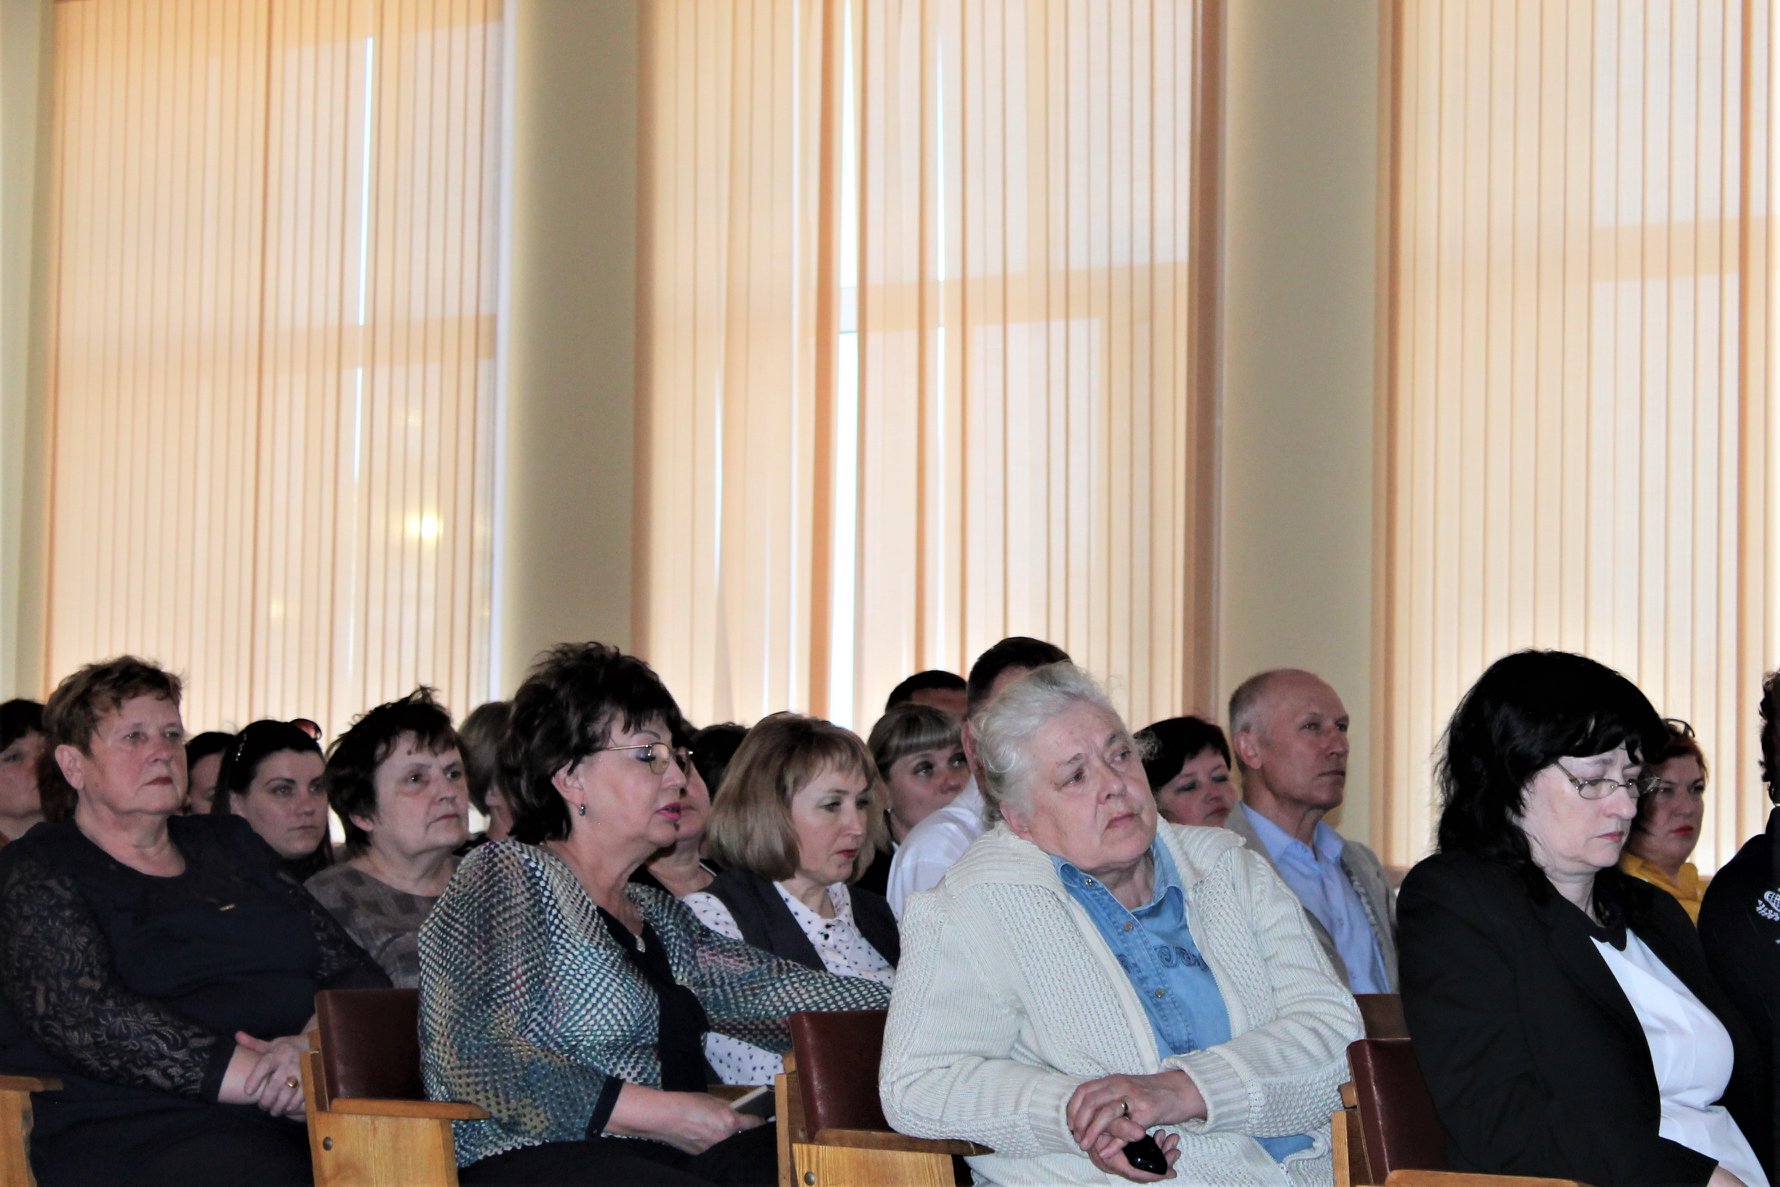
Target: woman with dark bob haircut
point(1188, 765)
point(1562, 1011)
point(573, 1003)
point(161, 964)
point(21, 750)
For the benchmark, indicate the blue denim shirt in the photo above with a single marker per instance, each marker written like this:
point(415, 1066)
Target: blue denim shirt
point(1316, 877)
point(1155, 947)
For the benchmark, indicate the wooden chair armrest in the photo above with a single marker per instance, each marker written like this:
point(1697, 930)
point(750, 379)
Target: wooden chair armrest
point(1348, 1099)
point(889, 1139)
point(30, 1084)
point(1413, 1178)
point(432, 1110)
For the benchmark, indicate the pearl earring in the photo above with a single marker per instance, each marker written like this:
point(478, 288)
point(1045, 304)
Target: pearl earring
point(580, 809)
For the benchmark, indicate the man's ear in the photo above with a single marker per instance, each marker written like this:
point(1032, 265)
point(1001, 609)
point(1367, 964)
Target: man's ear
point(1247, 747)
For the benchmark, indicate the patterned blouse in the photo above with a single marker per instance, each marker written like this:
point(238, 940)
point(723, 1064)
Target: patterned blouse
point(529, 1008)
point(382, 920)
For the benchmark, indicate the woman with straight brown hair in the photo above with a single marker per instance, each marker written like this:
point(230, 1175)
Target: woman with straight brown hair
point(799, 819)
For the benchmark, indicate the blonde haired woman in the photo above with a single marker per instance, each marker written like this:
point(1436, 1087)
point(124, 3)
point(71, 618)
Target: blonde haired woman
point(800, 817)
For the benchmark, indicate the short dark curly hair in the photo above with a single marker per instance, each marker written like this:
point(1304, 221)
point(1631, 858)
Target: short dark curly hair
point(567, 708)
point(1770, 713)
point(356, 754)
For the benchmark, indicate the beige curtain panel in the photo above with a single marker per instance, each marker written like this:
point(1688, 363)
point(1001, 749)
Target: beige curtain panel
point(1577, 427)
point(274, 285)
point(929, 345)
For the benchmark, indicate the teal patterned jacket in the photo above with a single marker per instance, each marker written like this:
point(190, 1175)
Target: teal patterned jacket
point(528, 1007)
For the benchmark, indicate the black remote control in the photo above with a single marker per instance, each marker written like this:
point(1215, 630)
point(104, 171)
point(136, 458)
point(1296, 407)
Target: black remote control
point(1146, 1156)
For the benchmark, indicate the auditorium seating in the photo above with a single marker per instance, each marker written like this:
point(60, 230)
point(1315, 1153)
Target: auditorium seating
point(832, 1131)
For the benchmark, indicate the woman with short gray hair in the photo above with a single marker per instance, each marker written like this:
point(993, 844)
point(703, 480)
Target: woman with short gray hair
point(1084, 979)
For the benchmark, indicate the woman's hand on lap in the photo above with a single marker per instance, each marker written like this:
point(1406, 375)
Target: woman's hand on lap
point(1127, 1107)
point(275, 1080)
point(699, 1121)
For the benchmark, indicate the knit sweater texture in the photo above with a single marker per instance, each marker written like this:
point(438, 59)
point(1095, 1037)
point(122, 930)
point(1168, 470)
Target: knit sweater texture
point(1007, 999)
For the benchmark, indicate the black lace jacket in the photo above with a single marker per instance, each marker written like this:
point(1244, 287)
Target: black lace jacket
point(139, 983)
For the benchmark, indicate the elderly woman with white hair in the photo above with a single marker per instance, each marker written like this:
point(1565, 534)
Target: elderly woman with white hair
point(1085, 979)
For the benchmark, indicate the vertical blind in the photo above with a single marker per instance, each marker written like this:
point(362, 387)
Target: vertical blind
point(273, 295)
point(1576, 401)
point(930, 345)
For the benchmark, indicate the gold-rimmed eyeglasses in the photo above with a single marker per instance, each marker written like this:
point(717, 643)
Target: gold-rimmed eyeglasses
point(656, 755)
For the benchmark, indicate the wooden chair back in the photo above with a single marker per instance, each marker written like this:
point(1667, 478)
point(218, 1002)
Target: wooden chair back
point(1388, 1132)
point(370, 1122)
point(15, 1125)
point(832, 1131)
point(1398, 1124)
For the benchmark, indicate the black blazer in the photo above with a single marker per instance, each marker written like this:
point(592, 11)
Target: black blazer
point(766, 922)
point(1534, 1057)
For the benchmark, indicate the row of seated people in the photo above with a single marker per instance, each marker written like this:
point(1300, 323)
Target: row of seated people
point(1082, 976)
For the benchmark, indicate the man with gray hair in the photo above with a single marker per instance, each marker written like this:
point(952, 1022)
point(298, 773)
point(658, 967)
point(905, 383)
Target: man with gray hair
point(1288, 730)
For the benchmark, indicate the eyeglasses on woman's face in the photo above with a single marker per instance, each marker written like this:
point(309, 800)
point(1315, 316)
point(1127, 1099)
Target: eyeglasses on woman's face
point(1600, 788)
point(656, 754)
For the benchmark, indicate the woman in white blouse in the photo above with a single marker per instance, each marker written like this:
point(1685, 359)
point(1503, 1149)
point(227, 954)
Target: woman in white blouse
point(800, 817)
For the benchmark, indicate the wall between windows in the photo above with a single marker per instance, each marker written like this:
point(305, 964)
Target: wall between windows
point(1300, 282)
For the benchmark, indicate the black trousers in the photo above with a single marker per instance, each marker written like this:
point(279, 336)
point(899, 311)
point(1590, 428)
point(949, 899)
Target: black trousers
point(749, 1159)
point(215, 1147)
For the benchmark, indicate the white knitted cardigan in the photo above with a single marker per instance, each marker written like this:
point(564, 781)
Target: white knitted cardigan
point(1007, 998)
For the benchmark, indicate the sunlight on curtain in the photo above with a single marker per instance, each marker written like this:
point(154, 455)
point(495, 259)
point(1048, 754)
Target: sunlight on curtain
point(273, 292)
point(1576, 390)
point(929, 346)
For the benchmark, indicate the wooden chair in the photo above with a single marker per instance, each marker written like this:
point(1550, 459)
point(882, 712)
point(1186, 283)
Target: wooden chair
point(370, 1123)
point(832, 1131)
point(15, 1125)
point(1387, 1131)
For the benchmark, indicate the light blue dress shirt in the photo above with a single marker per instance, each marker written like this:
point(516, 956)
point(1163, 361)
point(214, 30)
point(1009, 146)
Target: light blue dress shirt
point(1155, 947)
point(1316, 877)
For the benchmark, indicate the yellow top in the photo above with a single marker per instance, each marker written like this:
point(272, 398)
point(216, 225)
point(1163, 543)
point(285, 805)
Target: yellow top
point(1689, 888)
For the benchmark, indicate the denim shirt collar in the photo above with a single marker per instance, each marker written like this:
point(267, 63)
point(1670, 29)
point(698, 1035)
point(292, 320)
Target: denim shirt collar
point(1165, 879)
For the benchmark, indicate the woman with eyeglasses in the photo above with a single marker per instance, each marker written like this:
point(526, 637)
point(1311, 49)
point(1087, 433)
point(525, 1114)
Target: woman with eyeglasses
point(1562, 1012)
point(1668, 823)
point(570, 1001)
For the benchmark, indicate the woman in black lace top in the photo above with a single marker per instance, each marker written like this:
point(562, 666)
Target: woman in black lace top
point(161, 965)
